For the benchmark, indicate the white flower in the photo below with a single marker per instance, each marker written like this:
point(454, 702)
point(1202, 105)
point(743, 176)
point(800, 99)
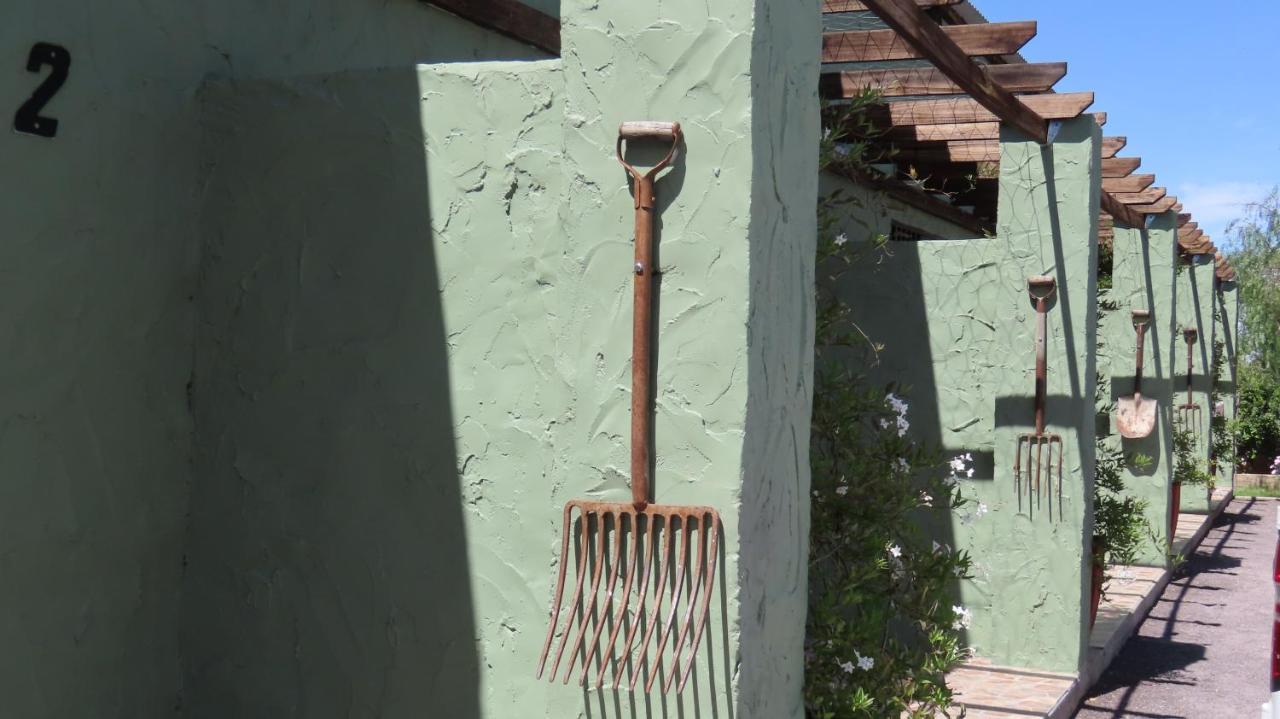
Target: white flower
point(895, 550)
point(903, 466)
point(841, 239)
point(842, 490)
point(963, 617)
point(864, 663)
point(957, 464)
point(926, 499)
point(846, 666)
point(969, 473)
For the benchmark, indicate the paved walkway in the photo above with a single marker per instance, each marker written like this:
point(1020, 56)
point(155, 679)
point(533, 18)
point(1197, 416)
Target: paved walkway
point(1202, 652)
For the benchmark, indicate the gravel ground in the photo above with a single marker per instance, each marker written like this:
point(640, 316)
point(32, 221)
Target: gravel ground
point(1202, 653)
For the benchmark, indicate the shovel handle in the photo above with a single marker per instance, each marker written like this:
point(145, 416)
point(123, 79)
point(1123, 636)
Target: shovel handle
point(642, 310)
point(1140, 319)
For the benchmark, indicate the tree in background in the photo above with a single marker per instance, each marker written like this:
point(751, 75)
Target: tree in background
point(1255, 255)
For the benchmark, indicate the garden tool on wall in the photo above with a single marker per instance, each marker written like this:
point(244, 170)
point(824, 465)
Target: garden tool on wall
point(1136, 415)
point(1043, 452)
point(671, 551)
point(1189, 415)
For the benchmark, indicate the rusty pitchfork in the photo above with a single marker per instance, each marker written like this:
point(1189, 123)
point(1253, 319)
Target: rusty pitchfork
point(663, 560)
point(1189, 414)
point(1043, 451)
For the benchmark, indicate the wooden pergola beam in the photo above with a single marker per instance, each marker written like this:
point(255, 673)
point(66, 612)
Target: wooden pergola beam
point(834, 6)
point(1120, 166)
point(508, 17)
point(1145, 197)
point(1177, 207)
point(1054, 106)
point(1191, 237)
point(1101, 117)
point(934, 43)
point(992, 38)
point(1184, 219)
point(1120, 212)
point(1132, 183)
point(1157, 207)
point(1113, 145)
point(899, 81)
point(1188, 228)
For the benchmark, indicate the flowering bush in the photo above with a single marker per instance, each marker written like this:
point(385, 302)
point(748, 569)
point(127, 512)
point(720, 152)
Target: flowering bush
point(883, 625)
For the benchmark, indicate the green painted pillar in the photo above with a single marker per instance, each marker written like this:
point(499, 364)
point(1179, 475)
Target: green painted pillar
point(734, 358)
point(1142, 279)
point(1194, 302)
point(1226, 317)
point(1030, 590)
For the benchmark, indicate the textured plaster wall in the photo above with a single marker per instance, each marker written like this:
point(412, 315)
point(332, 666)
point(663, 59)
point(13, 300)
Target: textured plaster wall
point(99, 261)
point(1194, 302)
point(735, 346)
point(959, 330)
point(1142, 278)
point(1227, 316)
point(415, 347)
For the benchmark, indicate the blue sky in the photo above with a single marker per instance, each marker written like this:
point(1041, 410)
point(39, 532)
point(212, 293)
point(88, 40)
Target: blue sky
point(1195, 86)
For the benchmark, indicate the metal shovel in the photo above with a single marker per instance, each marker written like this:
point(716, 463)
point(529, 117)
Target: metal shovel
point(1043, 451)
point(1189, 413)
point(1136, 415)
point(671, 550)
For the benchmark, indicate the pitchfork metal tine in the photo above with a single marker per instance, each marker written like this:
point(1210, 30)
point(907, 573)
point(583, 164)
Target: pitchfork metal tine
point(713, 557)
point(677, 590)
point(695, 584)
point(595, 590)
point(622, 603)
point(555, 605)
point(653, 613)
point(584, 522)
point(647, 561)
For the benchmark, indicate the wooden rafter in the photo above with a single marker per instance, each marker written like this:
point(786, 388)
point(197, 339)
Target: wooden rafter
point(1183, 219)
point(1191, 237)
point(832, 6)
point(1188, 228)
point(1120, 166)
point(1132, 183)
point(992, 38)
point(919, 200)
point(1121, 212)
point(933, 42)
point(1145, 197)
point(1112, 145)
point(1157, 207)
point(1177, 207)
point(1101, 117)
point(899, 81)
point(508, 17)
point(1056, 106)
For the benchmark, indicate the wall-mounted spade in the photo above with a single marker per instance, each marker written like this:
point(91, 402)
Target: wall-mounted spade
point(1136, 415)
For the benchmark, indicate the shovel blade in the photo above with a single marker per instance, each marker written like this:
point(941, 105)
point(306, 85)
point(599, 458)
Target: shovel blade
point(1136, 416)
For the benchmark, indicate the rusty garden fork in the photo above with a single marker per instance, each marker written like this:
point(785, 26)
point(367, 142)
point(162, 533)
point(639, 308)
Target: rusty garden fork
point(1190, 414)
point(1043, 451)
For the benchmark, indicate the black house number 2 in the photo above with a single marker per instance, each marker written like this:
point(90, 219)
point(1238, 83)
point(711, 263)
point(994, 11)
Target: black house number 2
point(29, 119)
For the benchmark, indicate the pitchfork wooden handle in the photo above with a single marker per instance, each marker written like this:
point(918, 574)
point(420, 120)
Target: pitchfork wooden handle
point(642, 313)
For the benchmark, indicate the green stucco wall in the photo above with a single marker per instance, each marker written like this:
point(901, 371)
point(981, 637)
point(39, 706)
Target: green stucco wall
point(1227, 317)
point(959, 331)
point(1194, 302)
point(1142, 278)
point(415, 347)
point(407, 290)
point(97, 327)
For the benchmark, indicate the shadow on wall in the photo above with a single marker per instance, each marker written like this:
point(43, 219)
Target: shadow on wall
point(328, 568)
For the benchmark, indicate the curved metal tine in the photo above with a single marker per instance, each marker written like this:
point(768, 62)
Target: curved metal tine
point(656, 613)
point(588, 612)
point(1039, 464)
point(613, 582)
point(1060, 453)
point(583, 521)
point(661, 571)
point(555, 603)
point(635, 623)
point(622, 608)
point(697, 584)
point(677, 591)
point(714, 557)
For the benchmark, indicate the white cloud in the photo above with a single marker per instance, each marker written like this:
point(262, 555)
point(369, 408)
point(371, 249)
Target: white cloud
point(1215, 205)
